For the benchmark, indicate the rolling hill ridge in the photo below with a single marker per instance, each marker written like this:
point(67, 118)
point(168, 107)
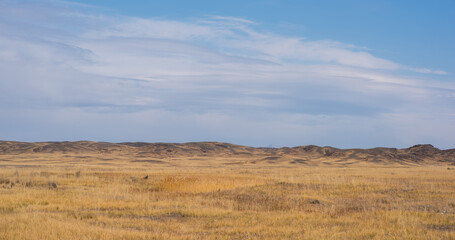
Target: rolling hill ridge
point(418, 154)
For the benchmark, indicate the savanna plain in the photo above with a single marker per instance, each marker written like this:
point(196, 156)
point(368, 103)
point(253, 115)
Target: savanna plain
point(64, 196)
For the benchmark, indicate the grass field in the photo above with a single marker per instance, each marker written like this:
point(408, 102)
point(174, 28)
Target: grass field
point(99, 200)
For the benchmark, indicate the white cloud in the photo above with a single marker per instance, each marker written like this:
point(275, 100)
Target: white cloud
point(233, 20)
point(217, 78)
point(426, 70)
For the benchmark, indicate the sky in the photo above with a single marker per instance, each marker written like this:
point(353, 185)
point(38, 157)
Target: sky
point(348, 74)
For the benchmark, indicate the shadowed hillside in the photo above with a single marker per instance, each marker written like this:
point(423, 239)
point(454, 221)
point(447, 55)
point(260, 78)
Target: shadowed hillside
point(301, 155)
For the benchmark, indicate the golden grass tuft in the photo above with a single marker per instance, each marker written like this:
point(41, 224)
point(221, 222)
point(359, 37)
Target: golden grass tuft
point(204, 183)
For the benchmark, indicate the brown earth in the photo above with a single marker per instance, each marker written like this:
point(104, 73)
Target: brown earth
point(226, 153)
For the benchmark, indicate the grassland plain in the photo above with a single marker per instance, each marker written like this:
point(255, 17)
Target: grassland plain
point(101, 196)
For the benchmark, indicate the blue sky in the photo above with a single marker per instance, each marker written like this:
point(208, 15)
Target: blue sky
point(259, 73)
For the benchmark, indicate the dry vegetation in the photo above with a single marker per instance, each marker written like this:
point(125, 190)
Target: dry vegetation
point(45, 199)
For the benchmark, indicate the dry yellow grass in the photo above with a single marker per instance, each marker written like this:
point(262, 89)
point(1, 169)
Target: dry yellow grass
point(51, 199)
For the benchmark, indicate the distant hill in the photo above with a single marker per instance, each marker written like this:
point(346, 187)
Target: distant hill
point(418, 154)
